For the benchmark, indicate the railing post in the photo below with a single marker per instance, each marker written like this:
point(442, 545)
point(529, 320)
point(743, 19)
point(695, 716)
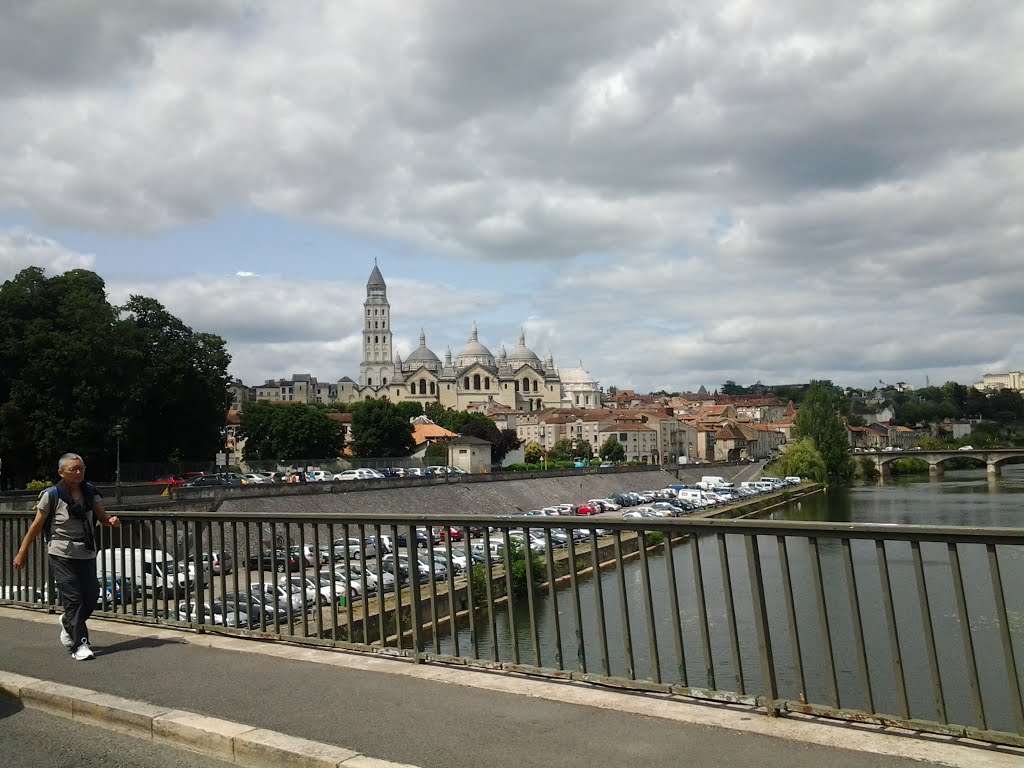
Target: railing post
point(764, 641)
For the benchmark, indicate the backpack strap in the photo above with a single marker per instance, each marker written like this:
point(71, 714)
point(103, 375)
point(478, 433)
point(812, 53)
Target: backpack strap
point(51, 495)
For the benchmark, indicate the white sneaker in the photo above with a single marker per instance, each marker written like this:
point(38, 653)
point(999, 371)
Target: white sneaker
point(83, 652)
point(65, 638)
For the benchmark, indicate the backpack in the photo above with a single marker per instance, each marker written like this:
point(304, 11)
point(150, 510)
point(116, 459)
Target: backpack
point(52, 493)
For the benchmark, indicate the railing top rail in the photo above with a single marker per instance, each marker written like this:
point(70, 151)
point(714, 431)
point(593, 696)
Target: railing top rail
point(873, 531)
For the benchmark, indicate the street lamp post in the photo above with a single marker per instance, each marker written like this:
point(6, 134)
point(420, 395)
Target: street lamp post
point(118, 431)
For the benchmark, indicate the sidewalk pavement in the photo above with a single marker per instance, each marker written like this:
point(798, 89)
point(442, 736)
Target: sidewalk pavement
point(364, 708)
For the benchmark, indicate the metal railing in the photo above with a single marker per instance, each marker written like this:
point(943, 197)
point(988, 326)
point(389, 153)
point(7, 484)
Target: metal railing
point(914, 626)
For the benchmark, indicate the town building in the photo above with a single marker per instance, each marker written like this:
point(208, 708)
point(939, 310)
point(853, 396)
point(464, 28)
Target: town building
point(1011, 380)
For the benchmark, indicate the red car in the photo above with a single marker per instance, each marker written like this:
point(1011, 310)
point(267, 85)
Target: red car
point(586, 509)
point(172, 481)
point(441, 532)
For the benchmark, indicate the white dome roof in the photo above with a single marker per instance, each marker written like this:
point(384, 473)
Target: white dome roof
point(475, 352)
point(523, 354)
point(422, 354)
point(575, 376)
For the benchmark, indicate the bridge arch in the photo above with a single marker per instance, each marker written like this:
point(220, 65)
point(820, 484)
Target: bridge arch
point(992, 458)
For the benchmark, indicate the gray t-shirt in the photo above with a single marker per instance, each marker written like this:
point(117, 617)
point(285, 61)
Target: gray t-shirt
point(68, 536)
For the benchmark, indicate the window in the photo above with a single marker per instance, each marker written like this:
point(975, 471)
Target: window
point(369, 381)
point(433, 388)
point(487, 383)
point(517, 385)
point(376, 339)
point(622, 437)
point(526, 384)
point(476, 381)
point(466, 383)
point(412, 389)
point(423, 386)
point(367, 313)
point(534, 385)
point(385, 382)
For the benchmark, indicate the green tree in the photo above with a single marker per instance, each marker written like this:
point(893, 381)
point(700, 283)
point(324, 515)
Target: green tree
point(732, 388)
point(561, 450)
point(276, 431)
point(379, 429)
point(72, 366)
point(533, 453)
point(436, 453)
point(819, 419)
point(612, 450)
point(582, 450)
point(409, 409)
point(177, 398)
point(508, 440)
point(803, 460)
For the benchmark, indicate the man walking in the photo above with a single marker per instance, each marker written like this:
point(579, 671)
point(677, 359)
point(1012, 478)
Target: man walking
point(66, 515)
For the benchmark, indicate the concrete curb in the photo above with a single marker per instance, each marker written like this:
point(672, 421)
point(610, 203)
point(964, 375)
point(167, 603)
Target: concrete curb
point(236, 743)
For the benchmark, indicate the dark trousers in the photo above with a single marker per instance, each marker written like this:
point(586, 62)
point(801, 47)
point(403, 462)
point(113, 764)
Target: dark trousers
point(78, 587)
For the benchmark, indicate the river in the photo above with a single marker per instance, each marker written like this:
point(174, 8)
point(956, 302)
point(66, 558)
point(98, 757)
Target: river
point(959, 498)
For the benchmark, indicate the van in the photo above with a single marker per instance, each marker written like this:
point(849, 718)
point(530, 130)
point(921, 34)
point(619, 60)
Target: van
point(693, 495)
point(709, 482)
point(149, 570)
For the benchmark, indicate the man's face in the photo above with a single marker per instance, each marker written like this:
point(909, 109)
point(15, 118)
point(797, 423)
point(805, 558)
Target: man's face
point(73, 473)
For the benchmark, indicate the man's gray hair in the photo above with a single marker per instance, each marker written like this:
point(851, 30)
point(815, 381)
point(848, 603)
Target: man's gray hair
point(67, 458)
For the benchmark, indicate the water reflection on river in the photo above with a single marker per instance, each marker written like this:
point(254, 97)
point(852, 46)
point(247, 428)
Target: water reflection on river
point(960, 498)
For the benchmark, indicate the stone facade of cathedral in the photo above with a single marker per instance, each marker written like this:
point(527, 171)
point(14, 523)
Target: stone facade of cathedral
point(474, 379)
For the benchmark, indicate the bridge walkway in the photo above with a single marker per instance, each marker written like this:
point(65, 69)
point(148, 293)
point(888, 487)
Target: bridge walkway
point(438, 717)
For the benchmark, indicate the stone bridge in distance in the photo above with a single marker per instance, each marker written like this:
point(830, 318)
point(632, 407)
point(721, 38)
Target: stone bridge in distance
point(994, 458)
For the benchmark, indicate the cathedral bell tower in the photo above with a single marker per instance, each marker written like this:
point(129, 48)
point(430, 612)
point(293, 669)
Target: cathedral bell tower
point(377, 368)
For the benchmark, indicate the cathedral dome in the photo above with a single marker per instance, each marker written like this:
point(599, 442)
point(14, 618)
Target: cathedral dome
point(475, 352)
point(523, 355)
point(422, 355)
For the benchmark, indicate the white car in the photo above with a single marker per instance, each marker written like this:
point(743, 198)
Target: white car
point(359, 474)
point(966, 448)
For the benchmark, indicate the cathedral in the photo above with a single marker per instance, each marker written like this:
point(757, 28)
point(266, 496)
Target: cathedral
point(473, 380)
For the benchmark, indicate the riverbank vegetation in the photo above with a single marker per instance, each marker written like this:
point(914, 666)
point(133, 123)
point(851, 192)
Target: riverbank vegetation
point(820, 419)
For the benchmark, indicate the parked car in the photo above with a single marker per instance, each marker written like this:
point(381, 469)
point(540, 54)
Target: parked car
point(966, 448)
point(205, 481)
point(422, 540)
point(319, 476)
point(260, 608)
point(171, 481)
point(359, 474)
point(214, 613)
point(287, 593)
point(355, 586)
point(442, 532)
point(216, 562)
point(309, 556)
point(274, 560)
point(113, 592)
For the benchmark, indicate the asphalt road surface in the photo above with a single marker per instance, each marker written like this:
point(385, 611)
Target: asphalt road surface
point(34, 739)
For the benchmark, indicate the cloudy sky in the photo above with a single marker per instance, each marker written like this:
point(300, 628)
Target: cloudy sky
point(675, 194)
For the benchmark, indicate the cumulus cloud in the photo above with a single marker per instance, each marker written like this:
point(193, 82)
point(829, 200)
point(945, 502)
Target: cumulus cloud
point(20, 248)
point(709, 191)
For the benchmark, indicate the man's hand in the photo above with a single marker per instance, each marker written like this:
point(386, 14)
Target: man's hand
point(113, 522)
point(19, 561)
